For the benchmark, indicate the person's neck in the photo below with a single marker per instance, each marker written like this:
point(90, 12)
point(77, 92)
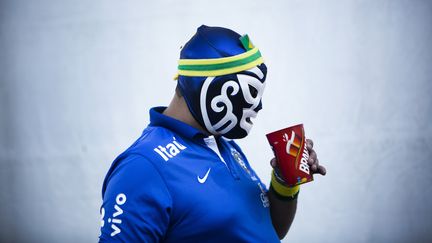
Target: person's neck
point(179, 110)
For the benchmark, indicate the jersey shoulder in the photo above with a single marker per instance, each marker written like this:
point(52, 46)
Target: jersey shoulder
point(158, 144)
point(154, 148)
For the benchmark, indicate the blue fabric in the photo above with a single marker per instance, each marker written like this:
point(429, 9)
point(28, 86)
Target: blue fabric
point(212, 42)
point(152, 191)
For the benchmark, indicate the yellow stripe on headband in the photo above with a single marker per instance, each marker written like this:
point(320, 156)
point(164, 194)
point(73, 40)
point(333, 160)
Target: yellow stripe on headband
point(219, 66)
point(212, 73)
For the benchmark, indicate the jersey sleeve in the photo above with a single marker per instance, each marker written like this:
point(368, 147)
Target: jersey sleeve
point(136, 203)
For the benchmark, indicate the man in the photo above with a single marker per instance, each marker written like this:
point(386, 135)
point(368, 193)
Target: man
point(185, 179)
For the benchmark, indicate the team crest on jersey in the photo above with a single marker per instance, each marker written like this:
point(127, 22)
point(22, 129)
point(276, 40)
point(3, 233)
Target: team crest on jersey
point(263, 195)
point(237, 157)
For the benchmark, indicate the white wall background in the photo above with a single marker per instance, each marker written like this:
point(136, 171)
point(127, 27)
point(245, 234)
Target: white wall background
point(78, 77)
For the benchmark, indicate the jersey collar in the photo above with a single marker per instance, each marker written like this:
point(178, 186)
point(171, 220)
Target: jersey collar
point(181, 128)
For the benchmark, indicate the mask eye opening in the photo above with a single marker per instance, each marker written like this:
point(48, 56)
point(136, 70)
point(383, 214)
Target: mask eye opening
point(253, 91)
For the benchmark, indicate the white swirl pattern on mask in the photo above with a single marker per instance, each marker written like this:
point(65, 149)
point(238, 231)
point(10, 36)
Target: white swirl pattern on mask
point(222, 101)
point(245, 81)
point(225, 102)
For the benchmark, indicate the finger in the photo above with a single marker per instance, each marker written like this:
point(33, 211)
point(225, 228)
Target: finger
point(309, 144)
point(314, 168)
point(312, 157)
point(273, 162)
point(322, 170)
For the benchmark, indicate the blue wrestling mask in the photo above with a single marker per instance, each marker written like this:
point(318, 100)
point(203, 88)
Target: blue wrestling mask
point(221, 76)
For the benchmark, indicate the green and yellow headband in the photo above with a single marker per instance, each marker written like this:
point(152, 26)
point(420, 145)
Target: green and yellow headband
point(221, 66)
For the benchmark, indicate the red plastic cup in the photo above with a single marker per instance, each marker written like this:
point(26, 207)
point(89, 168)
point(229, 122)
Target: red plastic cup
point(289, 147)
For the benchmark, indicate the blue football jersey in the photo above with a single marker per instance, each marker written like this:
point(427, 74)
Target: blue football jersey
point(175, 184)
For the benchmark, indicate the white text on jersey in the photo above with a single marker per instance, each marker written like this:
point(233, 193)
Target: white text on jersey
point(170, 150)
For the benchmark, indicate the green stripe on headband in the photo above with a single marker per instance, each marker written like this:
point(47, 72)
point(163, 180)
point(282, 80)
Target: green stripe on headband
point(220, 66)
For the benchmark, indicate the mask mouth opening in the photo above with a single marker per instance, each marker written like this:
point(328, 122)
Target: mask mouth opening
point(249, 119)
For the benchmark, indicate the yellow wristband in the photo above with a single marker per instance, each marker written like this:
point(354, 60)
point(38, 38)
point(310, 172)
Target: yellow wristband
point(283, 190)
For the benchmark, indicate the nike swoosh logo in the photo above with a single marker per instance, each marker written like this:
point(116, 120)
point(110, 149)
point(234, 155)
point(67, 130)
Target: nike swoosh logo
point(202, 180)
